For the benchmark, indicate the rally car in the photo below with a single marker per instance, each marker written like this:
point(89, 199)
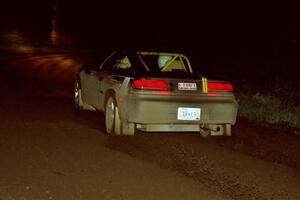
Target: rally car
point(155, 92)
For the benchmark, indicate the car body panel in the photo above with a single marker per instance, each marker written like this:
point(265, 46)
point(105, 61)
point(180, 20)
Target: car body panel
point(156, 110)
point(144, 108)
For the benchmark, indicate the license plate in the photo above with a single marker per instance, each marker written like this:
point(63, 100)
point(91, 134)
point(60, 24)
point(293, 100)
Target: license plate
point(188, 114)
point(187, 86)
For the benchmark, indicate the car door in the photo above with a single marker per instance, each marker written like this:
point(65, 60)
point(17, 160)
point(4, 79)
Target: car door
point(107, 76)
point(90, 86)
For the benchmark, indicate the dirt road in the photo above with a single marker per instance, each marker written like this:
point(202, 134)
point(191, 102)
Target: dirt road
point(48, 151)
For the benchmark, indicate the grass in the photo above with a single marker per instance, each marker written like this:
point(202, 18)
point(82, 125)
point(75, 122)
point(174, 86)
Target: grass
point(271, 109)
point(267, 88)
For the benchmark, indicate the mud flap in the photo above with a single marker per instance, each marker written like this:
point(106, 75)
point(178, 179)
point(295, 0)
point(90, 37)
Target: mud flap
point(123, 128)
point(128, 129)
point(227, 129)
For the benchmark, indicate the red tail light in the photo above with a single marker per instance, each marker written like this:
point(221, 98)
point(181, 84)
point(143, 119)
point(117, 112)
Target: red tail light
point(150, 84)
point(220, 86)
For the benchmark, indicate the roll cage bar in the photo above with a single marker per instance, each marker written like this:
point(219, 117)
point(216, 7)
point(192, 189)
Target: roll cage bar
point(181, 57)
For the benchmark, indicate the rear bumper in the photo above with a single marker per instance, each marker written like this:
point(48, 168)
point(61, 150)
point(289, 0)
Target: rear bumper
point(162, 109)
point(169, 127)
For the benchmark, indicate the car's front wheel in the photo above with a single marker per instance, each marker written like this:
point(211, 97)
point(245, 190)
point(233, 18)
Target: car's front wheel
point(77, 96)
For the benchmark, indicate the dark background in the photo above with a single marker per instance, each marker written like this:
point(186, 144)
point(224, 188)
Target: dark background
point(215, 27)
point(236, 40)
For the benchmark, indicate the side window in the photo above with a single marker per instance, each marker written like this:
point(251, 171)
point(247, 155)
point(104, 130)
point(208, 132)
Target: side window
point(91, 66)
point(110, 62)
point(122, 63)
point(116, 63)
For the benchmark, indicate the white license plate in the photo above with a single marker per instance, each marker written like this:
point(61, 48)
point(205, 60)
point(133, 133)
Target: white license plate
point(188, 114)
point(187, 86)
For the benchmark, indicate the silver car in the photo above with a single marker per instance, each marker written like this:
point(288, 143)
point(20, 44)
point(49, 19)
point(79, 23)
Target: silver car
point(155, 92)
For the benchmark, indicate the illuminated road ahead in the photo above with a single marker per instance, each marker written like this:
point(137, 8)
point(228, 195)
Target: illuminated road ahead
point(48, 151)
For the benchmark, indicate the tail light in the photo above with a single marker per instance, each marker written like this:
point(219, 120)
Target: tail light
point(220, 86)
point(150, 84)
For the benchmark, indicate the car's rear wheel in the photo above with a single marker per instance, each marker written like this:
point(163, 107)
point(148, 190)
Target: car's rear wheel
point(113, 123)
point(112, 119)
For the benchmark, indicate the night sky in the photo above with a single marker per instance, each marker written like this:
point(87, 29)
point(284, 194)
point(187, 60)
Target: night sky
point(213, 27)
point(254, 42)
